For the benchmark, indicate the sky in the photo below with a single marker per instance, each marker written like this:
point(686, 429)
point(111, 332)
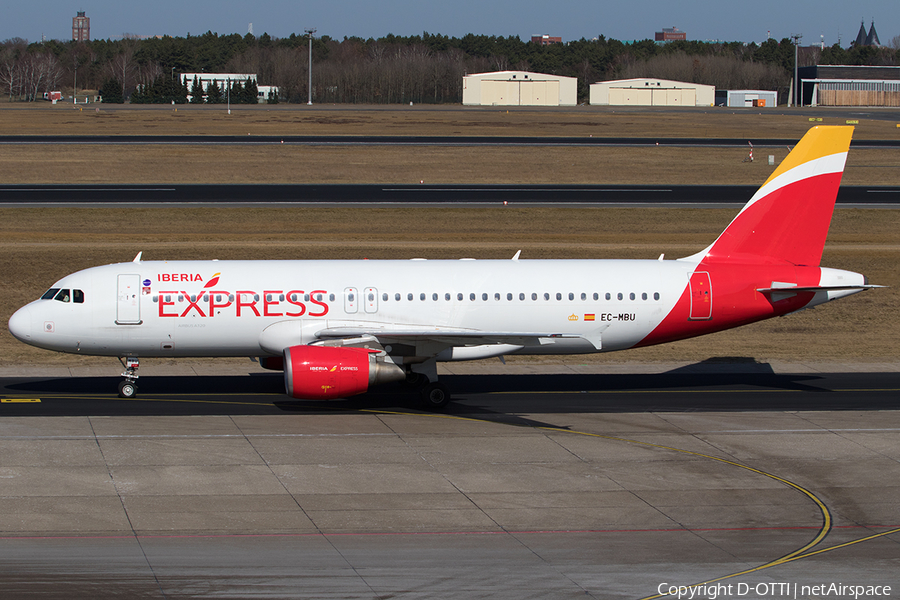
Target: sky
point(726, 20)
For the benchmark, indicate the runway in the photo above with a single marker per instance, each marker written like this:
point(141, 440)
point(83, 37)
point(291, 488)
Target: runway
point(542, 485)
point(406, 195)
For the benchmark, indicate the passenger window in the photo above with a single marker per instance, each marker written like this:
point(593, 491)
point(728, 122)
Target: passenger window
point(534, 296)
point(509, 296)
point(331, 297)
point(521, 296)
point(62, 296)
point(571, 296)
point(619, 296)
point(546, 295)
point(422, 296)
point(558, 296)
point(484, 296)
point(459, 297)
point(472, 297)
point(397, 296)
point(409, 297)
point(49, 294)
point(78, 296)
point(631, 296)
point(608, 296)
point(384, 297)
point(656, 295)
point(583, 296)
point(496, 295)
point(644, 296)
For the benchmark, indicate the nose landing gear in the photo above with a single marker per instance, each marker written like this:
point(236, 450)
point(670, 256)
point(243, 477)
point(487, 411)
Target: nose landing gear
point(128, 388)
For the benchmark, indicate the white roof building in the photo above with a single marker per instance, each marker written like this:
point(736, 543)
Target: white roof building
point(519, 88)
point(651, 92)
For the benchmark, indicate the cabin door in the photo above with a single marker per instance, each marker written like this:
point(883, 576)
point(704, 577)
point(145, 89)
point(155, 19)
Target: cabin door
point(128, 304)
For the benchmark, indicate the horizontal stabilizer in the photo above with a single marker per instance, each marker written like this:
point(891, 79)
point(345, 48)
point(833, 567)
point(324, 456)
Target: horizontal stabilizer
point(818, 288)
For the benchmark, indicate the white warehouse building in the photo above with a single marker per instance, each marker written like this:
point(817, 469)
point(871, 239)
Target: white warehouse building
point(651, 92)
point(519, 88)
point(223, 80)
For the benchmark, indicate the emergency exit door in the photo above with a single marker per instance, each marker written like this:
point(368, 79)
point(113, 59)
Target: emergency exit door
point(128, 305)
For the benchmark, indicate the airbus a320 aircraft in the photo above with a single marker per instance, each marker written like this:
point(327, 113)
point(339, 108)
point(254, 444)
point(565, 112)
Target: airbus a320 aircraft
point(338, 327)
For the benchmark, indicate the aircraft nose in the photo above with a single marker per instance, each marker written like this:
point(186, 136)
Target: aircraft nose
point(20, 324)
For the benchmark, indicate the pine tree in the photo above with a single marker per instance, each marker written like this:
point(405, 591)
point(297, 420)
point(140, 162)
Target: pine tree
point(251, 92)
point(111, 92)
point(196, 92)
point(213, 93)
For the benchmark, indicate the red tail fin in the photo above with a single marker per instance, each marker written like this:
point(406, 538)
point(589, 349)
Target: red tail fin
point(787, 219)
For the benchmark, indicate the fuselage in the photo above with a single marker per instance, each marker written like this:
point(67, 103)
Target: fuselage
point(223, 308)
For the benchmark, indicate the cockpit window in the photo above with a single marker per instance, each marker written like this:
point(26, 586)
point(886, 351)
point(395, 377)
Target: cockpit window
point(78, 296)
point(63, 296)
point(49, 294)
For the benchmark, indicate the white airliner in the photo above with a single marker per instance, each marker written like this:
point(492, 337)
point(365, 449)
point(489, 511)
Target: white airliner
point(338, 327)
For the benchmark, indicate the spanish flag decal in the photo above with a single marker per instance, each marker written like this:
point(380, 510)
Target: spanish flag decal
point(589, 317)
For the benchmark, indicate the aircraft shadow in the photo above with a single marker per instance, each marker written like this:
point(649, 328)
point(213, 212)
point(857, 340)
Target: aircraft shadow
point(737, 387)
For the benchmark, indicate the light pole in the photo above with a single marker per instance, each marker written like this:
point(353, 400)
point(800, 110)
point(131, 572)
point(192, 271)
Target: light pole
point(310, 32)
point(796, 37)
point(228, 93)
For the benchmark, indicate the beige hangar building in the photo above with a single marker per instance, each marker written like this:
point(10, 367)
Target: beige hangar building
point(519, 88)
point(651, 92)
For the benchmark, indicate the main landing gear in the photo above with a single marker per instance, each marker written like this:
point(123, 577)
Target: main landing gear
point(433, 395)
point(128, 388)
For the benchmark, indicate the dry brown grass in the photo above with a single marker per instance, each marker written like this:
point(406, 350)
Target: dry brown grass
point(45, 119)
point(398, 164)
point(279, 163)
point(39, 246)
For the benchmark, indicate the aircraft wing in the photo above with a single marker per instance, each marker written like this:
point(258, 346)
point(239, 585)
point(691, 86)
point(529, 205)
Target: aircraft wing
point(452, 337)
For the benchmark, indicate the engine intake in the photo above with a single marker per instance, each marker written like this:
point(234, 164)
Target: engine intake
point(326, 372)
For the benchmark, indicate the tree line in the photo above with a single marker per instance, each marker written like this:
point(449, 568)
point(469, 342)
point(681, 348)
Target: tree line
point(425, 68)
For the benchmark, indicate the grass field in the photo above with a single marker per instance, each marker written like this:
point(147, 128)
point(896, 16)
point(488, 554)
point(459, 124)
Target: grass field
point(39, 245)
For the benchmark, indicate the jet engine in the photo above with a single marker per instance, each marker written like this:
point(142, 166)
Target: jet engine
point(326, 372)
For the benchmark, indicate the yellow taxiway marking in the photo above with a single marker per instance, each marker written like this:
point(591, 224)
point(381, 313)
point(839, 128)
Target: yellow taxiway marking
point(19, 400)
point(801, 553)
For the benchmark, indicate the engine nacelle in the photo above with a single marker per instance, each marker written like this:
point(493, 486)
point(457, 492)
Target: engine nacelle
point(326, 372)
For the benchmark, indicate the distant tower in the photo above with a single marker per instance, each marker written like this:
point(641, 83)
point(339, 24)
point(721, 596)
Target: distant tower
point(872, 37)
point(81, 28)
point(861, 36)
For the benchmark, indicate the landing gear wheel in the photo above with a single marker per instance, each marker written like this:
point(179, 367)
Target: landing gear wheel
point(435, 396)
point(127, 389)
